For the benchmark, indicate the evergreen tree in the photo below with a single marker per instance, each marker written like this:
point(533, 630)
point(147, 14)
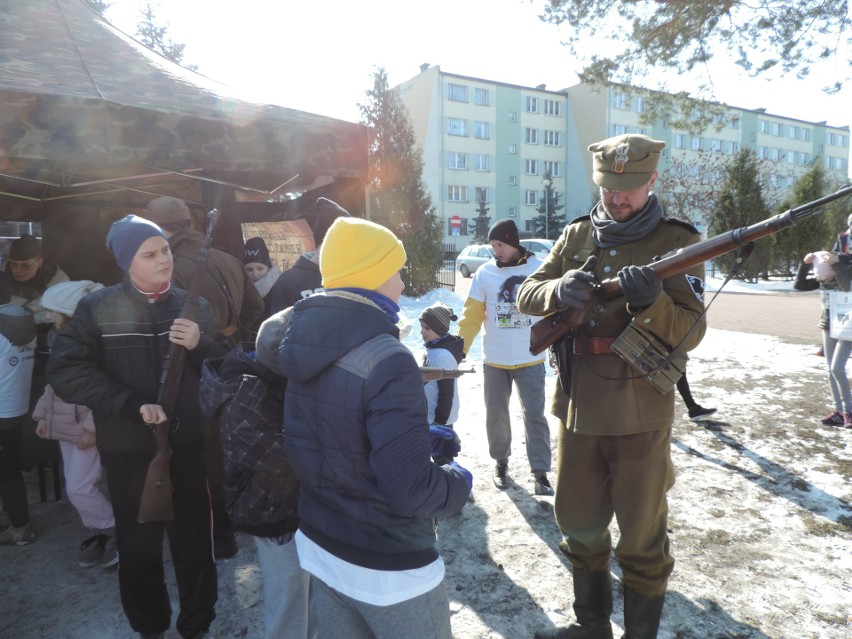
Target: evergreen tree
point(398, 198)
point(99, 6)
point(155, 37)
point(481, 224)
point(549, 223)
point(810, 234)
point(741, 204)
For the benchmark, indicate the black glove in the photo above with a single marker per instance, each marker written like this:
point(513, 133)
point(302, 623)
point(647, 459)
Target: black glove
point(576, 286)
point(640, 285)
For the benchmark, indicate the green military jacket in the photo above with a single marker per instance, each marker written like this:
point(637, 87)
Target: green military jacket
point(607, 397)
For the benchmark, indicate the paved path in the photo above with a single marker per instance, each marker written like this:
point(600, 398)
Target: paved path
point(789, 315)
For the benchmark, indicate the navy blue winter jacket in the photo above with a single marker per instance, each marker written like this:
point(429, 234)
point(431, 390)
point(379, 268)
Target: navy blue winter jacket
point(360, 447)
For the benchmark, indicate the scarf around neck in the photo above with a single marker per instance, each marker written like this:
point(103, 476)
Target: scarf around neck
point(264, 284)
point(385, 303)
point(608, 232)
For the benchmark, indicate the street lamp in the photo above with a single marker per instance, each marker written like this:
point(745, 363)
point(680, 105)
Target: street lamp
point(546, 182)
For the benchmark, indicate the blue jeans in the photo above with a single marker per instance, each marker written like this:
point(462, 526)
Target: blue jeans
point(836, 354)
point(497, 386)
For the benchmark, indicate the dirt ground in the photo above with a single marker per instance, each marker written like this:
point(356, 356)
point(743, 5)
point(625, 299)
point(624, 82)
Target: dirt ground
point(760, 523)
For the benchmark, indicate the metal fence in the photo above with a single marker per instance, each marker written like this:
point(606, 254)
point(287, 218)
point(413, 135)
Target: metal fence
point(447, 274)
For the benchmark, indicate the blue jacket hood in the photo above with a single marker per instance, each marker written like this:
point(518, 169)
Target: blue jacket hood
point(325, 327)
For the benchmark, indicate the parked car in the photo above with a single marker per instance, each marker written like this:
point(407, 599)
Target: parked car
point(541, 248)
point(472, 257)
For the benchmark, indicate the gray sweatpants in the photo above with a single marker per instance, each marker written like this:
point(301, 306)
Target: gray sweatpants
point(497, 385)
point(336, 616)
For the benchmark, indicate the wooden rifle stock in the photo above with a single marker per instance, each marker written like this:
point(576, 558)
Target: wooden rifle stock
point(433, 374)
point(156, 501)
point(552, 328)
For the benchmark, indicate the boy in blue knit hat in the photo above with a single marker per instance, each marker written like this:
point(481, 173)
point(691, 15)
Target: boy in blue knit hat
point(110, 358)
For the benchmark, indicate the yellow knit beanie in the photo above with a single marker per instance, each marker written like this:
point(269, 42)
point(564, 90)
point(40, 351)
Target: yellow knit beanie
point(358, 253)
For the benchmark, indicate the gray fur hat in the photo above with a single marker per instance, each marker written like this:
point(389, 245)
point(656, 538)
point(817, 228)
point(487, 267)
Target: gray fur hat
point(269, 339)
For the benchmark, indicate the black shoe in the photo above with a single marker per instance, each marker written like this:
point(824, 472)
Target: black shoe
point(542, 485)
point(501, 476)
point(226, 547)
point(699, 413)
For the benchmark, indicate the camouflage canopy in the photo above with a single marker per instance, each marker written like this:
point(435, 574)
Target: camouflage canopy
point(89, 115)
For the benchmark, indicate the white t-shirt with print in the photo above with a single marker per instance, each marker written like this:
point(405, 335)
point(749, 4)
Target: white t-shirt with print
point(506, 331)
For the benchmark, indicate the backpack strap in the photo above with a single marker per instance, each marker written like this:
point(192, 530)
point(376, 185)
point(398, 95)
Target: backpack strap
point(362, 359)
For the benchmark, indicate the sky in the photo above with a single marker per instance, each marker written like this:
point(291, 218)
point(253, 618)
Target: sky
point(320, 56)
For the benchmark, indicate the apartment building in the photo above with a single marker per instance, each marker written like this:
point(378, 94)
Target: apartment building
point(495, 142)
point(492, 142)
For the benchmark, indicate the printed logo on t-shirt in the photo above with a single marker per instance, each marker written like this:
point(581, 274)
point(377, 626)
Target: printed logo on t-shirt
point(506, 313)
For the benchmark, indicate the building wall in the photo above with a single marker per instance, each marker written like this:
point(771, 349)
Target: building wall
point(486, 137)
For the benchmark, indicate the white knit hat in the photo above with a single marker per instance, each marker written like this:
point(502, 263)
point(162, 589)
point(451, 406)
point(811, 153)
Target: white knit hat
point(63, 297)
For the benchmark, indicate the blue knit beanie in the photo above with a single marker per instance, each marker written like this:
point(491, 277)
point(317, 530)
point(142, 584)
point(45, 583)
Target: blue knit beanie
point(127, 235)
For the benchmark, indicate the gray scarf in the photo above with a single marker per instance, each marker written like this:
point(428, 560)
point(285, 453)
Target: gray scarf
point(608, 232)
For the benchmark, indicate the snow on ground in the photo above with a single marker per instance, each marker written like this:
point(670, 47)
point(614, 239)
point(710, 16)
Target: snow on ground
point(760, 521)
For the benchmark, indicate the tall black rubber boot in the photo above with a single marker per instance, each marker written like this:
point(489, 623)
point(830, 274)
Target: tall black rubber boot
point(592, 607)
point(641, 614)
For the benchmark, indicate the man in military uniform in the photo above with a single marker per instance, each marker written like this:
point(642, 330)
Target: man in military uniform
point(615, 427)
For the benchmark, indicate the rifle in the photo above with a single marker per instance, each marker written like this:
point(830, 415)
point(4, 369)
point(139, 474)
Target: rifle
point(551, 329)
point(156, 501)
point(433, 374)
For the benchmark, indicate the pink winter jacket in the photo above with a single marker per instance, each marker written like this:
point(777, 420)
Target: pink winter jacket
point(64, 421)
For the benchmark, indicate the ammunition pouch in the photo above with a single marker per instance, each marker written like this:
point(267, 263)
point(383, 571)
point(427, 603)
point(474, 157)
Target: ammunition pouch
point(651, 357)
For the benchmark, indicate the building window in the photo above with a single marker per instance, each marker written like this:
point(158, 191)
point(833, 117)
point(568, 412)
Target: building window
point(639, 104)
point(456, 193)
point(553, 107)
point(551, 168)
point(552, 138)
point(731, 148)
point(620, 101)
point(532, 167)
point(480, 97)
point(680, 141)
point(764, 126)
point(793, 132)
point(513, 211)
point(806, 158)
point(532, 104)
point(532, 135)
point(481, 130)
point(456, 160)
point(481, 162)
point(777, 129)
point(455, 126)
point(513, 148)
point(734, 122)
point(697, 143)
point(457, 93)
point(513, 180)
point(513, 116)
point(716, 145)
point(620, 129)
point(806, 135)
point(530, 197)
point(482, 194)
point(773, 153)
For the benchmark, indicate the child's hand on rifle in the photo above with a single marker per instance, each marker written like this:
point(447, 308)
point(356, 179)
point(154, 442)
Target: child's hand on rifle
point(152, 414)
point(185, 333)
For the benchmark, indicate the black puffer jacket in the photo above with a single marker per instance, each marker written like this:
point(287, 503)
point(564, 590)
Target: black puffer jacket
point(110, 356)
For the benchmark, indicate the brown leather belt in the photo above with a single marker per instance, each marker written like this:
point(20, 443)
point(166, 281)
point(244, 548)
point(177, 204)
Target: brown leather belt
point(592, 345)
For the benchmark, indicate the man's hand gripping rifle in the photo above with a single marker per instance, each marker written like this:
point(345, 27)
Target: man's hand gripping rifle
point(551, 329)
point(434, 374)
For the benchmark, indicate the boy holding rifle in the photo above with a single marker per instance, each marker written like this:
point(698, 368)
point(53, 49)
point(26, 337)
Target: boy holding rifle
point(109, 358)
point(615, 426)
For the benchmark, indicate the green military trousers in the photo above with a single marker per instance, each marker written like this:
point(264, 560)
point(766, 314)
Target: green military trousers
point(626, 476)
